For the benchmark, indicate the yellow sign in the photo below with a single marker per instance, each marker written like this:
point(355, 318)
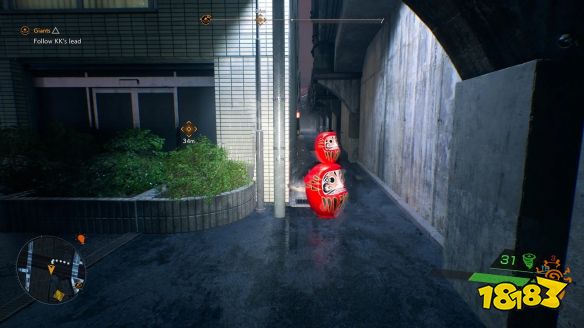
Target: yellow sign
point(51, 269)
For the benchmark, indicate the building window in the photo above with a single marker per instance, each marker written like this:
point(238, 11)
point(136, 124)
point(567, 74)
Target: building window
point(78, 5)
point(115, 4)
point(44, 4)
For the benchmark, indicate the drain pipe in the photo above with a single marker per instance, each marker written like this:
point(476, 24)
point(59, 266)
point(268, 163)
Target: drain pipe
point(279, 108)
point(259, 132)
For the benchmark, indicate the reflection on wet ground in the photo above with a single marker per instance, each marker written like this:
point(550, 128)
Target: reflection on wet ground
point(368, 268)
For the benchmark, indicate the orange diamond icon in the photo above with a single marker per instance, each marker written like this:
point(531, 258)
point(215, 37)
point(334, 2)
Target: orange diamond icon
point(188, 129)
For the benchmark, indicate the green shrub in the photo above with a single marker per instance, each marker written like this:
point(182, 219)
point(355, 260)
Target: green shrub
point(18, 164)
point(49, 163)
point(16, 141)
point(62, 158)
point(121, 174)
point(69, 163)
point(202, 169)
point(131, 164)
point(67, 145)
point(137, 141)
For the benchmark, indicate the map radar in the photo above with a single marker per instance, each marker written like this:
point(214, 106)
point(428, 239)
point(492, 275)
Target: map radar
point(50, 270)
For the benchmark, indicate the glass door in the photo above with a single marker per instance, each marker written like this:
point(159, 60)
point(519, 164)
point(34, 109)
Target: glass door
point(147, 108)
point(157, 115)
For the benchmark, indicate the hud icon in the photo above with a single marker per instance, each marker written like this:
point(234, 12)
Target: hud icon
point(188, 129)
point(206, 19)
point(50, 270)
point(25, 30)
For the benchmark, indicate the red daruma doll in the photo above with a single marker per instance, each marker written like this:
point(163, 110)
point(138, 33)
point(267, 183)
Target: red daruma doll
point(327, 148)
point(325, 190)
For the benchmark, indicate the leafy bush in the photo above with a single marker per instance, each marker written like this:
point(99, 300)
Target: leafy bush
point(202, 169)
point(15, 141)
point(137, 141)
point(63, 155)
point(17, 159)
point(121, 174)
point(131, 164)
point(49, 163)
point(68, 163)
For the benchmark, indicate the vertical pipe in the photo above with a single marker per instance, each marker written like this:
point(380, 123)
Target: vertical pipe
point(279, 108)
point(259, 131)
point(292, 84)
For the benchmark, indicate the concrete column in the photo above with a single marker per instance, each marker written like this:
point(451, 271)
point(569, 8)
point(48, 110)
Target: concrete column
point(571, 314)
point(279, 109)
point(515, 147)
point(259, 130)
point(292, 82)
point(349, 145)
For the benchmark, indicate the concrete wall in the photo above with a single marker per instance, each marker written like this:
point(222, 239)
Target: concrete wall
point(407, 94)
point(513, 170)
point(571, 314)
point(488, 151)
point(348, 91)
point(349, 144)
point(309, 122)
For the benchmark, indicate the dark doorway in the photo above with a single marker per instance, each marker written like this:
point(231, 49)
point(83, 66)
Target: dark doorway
point(198, 106)
point(160, 101)
point(65, 106)
point(114, 111)
point(157, 115)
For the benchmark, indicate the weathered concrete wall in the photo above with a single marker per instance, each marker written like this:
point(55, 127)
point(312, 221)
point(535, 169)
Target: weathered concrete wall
point(348, 91)
point(407, 94)
point(513, 171)
point(488, 151)
point(571, 314)
point(349, 144)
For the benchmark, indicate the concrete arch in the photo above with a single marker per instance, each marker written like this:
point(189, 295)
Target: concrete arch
point(482, 36)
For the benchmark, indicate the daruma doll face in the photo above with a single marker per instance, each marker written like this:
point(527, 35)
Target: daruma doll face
point(333, 183)
point(325, 190)
point(327, 147)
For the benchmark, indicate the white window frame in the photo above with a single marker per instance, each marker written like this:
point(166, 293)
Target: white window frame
point(134, 95)
point(124, 83)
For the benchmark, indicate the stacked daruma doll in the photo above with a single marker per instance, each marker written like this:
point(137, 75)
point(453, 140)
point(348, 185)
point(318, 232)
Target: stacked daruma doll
point(325, 184)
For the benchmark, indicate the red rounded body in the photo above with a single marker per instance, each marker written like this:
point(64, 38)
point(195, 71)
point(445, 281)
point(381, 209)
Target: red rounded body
point(326, 147)
point(325, 190)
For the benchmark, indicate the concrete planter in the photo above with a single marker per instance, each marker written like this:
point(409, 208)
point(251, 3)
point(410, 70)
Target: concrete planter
point(143, 213)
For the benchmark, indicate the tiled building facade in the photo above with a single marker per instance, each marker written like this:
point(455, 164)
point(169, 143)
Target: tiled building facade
point(167, 33)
